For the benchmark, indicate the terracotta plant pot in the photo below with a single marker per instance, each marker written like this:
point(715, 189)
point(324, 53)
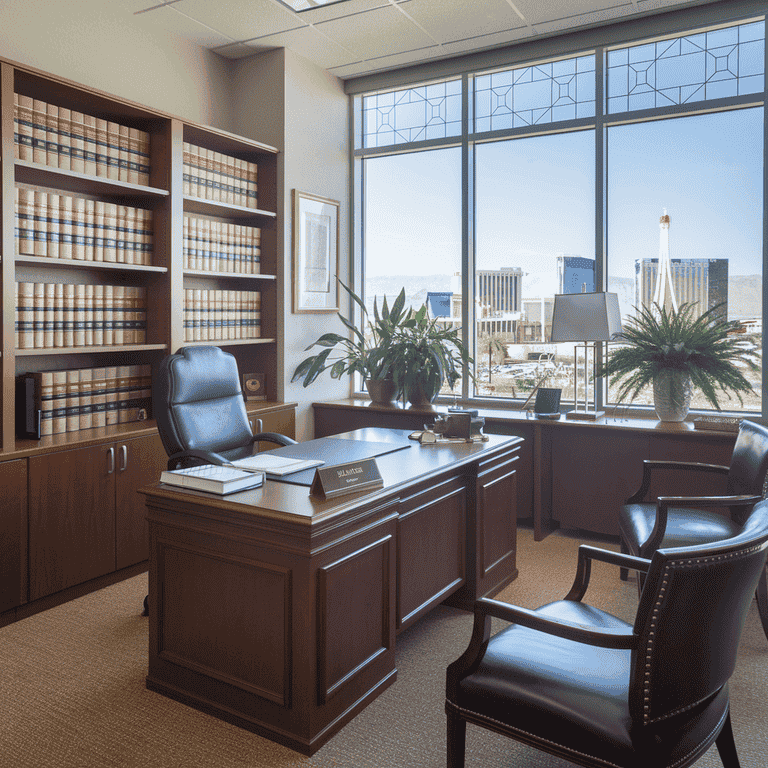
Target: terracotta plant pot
point(382, 391)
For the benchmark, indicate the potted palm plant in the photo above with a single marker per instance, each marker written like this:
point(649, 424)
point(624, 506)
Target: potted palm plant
point(370, 357)
point(675, 352)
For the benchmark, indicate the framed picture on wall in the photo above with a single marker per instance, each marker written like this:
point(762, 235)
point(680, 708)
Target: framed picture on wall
point(315, 253)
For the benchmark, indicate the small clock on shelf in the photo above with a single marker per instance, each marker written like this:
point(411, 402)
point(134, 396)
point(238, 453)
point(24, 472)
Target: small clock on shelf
point(254, 387)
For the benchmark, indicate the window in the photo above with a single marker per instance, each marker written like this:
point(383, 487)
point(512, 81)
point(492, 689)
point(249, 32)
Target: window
point(577, 172)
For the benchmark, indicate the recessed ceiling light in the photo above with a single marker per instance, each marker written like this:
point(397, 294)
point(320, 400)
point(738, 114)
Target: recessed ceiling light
point(306, 5)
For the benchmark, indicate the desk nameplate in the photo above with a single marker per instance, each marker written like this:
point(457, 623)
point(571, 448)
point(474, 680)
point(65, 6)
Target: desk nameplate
point(351, 477)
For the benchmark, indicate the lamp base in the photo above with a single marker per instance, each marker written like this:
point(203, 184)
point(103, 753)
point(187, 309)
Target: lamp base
point(585, 415)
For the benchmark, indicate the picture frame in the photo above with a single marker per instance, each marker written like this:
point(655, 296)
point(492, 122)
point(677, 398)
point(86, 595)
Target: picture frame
point(254, 386)
point(315, 253)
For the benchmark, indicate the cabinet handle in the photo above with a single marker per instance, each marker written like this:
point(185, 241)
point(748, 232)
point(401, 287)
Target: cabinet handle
point(259, 425)
point(110, 460)
point(123, 458)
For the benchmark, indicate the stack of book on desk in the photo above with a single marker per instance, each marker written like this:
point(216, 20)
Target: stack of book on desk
point(237, 476)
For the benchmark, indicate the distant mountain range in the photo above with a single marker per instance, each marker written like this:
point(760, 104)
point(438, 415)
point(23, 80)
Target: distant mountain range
point(744, 291)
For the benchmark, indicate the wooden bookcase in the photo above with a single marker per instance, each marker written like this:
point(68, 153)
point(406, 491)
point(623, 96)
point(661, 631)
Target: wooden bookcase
point(164, 283)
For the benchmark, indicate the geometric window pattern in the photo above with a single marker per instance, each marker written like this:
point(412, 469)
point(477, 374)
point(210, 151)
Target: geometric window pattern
point(708, 65)
point(412, 114)
point(534, 95)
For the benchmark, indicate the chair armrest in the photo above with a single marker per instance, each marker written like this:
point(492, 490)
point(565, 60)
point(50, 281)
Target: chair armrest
point(273, 437)
point(584, 567)
point(684, 466)
point(195, 458)
point(663, 503)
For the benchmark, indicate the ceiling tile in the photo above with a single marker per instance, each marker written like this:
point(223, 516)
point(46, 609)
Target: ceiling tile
point(537, 12)
point(338, 10)
point(379, 32)
point(457, 19)
point(597, 17)
point(169, 20)
point(241, 19)
point(307, 42)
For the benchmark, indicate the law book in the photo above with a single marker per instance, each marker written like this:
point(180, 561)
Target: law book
point(41, 223)
point(59, 403)
point(204, 258)
point(186, 163)
point(218, 314)
point(58, 315)
point(79, 229)
point(38, 324)
point(231, 171)
point(39, 131)
point(111, 395)
point(214, 245)
point(144, 157)
point(49, 308)
point(24, 127)
point(73, 400)
point(193, 222)
point(26, 315)
point(109, 315)
point(17, 315)
point(118, 315)
point(197, 316)
point(65, 138)
point(99, 397)
point(89, 230)
point(77, 143)
point(52, 135)
point(187, 314)
point(124, 236)
point(91, 145)
point(141, 314)
point(66, 215)
point(26, 219)
point(54, 223)
point(109, 231)
point(212, 478)
point(147, 218)
point(123, 392)
point(185, 242)
point(134, 155)
point(237, 187)
point(123, 151)
point(113, 150)
point(98, 230)
point(86, 398)
point(79, 316)
point(43, 399)
point(252, 172)
point(130, 314)
point(98, 315)
point(274, 465)
point(102, 147)
point(88, 315)
point(69, 315)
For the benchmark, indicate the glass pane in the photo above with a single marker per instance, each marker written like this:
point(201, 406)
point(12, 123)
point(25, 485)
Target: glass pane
point(412, 114)
point(535, 235)
point(413, 230)
point(534, 95)
point(698, 67)
point(690, 190)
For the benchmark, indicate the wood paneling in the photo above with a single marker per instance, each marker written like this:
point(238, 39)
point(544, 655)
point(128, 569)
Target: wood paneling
point(13, 534)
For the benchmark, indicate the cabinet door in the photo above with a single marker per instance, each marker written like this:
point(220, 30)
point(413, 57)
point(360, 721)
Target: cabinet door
point(13, 534)
point(71, 519)
point(283, 422)
point(139, 462)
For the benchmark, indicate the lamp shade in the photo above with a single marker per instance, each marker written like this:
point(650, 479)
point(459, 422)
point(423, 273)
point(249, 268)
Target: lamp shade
point(586, 317)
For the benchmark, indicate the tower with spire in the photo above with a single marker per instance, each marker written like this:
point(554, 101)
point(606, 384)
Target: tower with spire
point(664, 295)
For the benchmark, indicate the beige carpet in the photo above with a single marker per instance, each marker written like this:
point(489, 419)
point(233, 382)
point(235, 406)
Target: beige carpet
point(72, 689)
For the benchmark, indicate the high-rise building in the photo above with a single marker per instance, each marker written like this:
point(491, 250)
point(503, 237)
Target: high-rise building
point(499, 291)
point(702, 282)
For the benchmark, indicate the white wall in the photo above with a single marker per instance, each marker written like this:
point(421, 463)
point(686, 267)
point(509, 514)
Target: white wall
point(311, 132)
point(101, 44)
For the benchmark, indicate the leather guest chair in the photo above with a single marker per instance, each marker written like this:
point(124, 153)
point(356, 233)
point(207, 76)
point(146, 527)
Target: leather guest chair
point(675, 521)
point(574, 681)
point(200, 412)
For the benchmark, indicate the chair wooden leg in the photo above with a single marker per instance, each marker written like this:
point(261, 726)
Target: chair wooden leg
point(726, 746)
point(457, 740)
point(762, 599)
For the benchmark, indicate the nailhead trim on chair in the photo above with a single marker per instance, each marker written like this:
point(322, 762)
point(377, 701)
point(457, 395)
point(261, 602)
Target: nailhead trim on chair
point(690, 563)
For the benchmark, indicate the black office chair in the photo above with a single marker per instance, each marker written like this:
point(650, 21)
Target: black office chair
point(200, 412)
point(574, 681)
point(675, 521)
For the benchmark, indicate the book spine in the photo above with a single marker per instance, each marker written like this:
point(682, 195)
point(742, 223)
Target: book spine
point(89, 230)
point(24, 134)
point(134, 155)
point(197, 323)
point(79, 230)
point(109, 315)
point(110, 232)
point(52, 135)
point(53, 216)
point(73, 400)
point(77, 143)
point(39, 146)
point(186, 168)
point(111, 395)
point(123, 392)
point(65, 138)
point(124, 151)
point(69, 315)
point(88, 315)
point(44, 400)
point(98, 315)
point(86, 398)
point(113, 151)
point(58, 315)
point(99, 398)
point(205, 257)
point(118, 315)
point(49, 315)
point(98, 230)
point(41, 223)
point(39, 314)
point(144, 158)
point(91, 148)
point(17, 315)
point(187, 314)
point(26, 315)
point(79, 315)
point(102, 147)
point(26, 239)
point(66, 214)
point(59, 403)
point(148, 236)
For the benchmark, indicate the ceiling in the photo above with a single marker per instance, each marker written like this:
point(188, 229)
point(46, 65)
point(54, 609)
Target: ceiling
point(358, 37)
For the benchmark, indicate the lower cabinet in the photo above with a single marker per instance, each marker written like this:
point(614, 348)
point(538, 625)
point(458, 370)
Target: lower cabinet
point(85, 517)
point(281, 420)
point(13, 534)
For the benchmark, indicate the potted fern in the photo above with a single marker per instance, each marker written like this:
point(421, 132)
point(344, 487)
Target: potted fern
point(675, 352)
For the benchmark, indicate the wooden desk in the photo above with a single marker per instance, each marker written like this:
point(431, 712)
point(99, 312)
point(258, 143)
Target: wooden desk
point(278, 611)
point(574, 474)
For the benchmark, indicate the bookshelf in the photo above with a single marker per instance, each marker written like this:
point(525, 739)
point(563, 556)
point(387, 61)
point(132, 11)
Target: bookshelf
point(97, 204)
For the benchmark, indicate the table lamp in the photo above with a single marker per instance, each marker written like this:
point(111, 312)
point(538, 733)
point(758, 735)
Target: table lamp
point(586, 318)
